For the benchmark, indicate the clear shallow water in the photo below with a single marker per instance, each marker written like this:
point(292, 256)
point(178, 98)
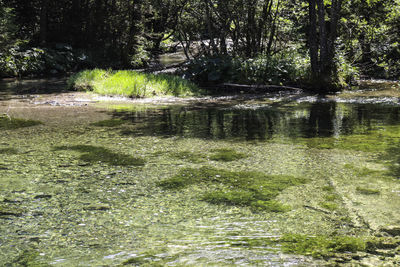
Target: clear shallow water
point(65, 203)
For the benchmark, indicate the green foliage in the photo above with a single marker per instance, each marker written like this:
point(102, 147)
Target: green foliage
point(8, 123)
point(131, 83)
point(22, 60)
point(96, 154)
point(284, 68)
point(8, 29)
point(253, 189)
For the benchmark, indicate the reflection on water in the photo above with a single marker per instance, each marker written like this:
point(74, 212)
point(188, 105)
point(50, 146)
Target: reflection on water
point(74, 193)
point(319, 119)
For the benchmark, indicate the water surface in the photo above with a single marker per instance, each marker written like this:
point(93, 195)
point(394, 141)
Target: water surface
point(73, 193)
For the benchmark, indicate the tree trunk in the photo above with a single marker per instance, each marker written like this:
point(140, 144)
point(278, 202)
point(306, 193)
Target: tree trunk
point(43, 22)
point(312, 39)
point(322, 44)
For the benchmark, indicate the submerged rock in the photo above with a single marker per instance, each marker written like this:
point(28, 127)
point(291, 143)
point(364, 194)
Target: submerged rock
point(392, 230)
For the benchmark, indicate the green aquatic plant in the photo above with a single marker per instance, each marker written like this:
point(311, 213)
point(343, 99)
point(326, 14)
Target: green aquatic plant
point(28, 258)
point(321, 246)
point(189, 156)
point(96, 154)
point(253, 189)
point(331, 197)
point(226, 154)
point(109, 123)
point(8, 151)
point(329, 205)
point(367, 191)
point(8, 123)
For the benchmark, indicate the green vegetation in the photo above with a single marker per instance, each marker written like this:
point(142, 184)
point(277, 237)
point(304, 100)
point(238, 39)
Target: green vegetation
point(96, 154)
point(321, 246)
point(253, 189)
point(329, 206)
point(283, 68)
point(367, 191)
point(189, 156)
point(8, 151)
point(8, 123)
point(109, 123)
point(318, 246)
point(131, 83)
point(226, 154)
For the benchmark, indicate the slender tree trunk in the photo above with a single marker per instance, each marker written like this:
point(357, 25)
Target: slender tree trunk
point(273, 29)
point(43, 22)
point(312, 39)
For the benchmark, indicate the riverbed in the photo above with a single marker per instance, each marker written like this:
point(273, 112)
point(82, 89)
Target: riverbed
point(103, 181)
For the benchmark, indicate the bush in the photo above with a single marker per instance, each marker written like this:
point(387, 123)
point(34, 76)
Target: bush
point(20, 60)
point(285, 68)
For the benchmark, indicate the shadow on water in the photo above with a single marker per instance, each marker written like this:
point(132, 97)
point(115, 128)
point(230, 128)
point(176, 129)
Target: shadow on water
point(10, 87)
point(96, 154)
point(261, 122)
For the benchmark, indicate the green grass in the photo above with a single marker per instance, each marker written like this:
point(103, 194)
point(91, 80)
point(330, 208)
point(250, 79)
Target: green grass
point(253, 189)
point(131, 84)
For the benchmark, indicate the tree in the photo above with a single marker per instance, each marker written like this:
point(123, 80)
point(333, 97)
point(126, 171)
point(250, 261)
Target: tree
point(322, 37)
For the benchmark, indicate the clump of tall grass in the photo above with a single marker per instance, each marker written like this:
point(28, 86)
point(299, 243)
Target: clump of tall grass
point(131, 83)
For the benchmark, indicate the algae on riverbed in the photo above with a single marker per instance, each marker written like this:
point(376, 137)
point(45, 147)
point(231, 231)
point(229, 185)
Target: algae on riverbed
point(8, 123)
point(252, 189)
point(99, 196)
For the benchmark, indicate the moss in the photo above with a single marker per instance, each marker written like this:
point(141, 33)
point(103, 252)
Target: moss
point(189, 156)
point(7, 123)
point(226, 154)
point(29, 258)
point(367, 191)
point(321, 246)
point(109, 123)
point(8, 151)
point(331, 197)
point(253, 189)
point(95, 154)
point(361, 171)
point(328, 188)
point(329, 205)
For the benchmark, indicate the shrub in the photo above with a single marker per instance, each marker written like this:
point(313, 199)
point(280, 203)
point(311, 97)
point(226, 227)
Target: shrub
point(285, 68)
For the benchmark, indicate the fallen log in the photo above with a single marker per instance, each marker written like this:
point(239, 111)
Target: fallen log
point(256, 87)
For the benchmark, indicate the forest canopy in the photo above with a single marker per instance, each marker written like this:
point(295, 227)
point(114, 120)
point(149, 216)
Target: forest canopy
point(325, 44)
